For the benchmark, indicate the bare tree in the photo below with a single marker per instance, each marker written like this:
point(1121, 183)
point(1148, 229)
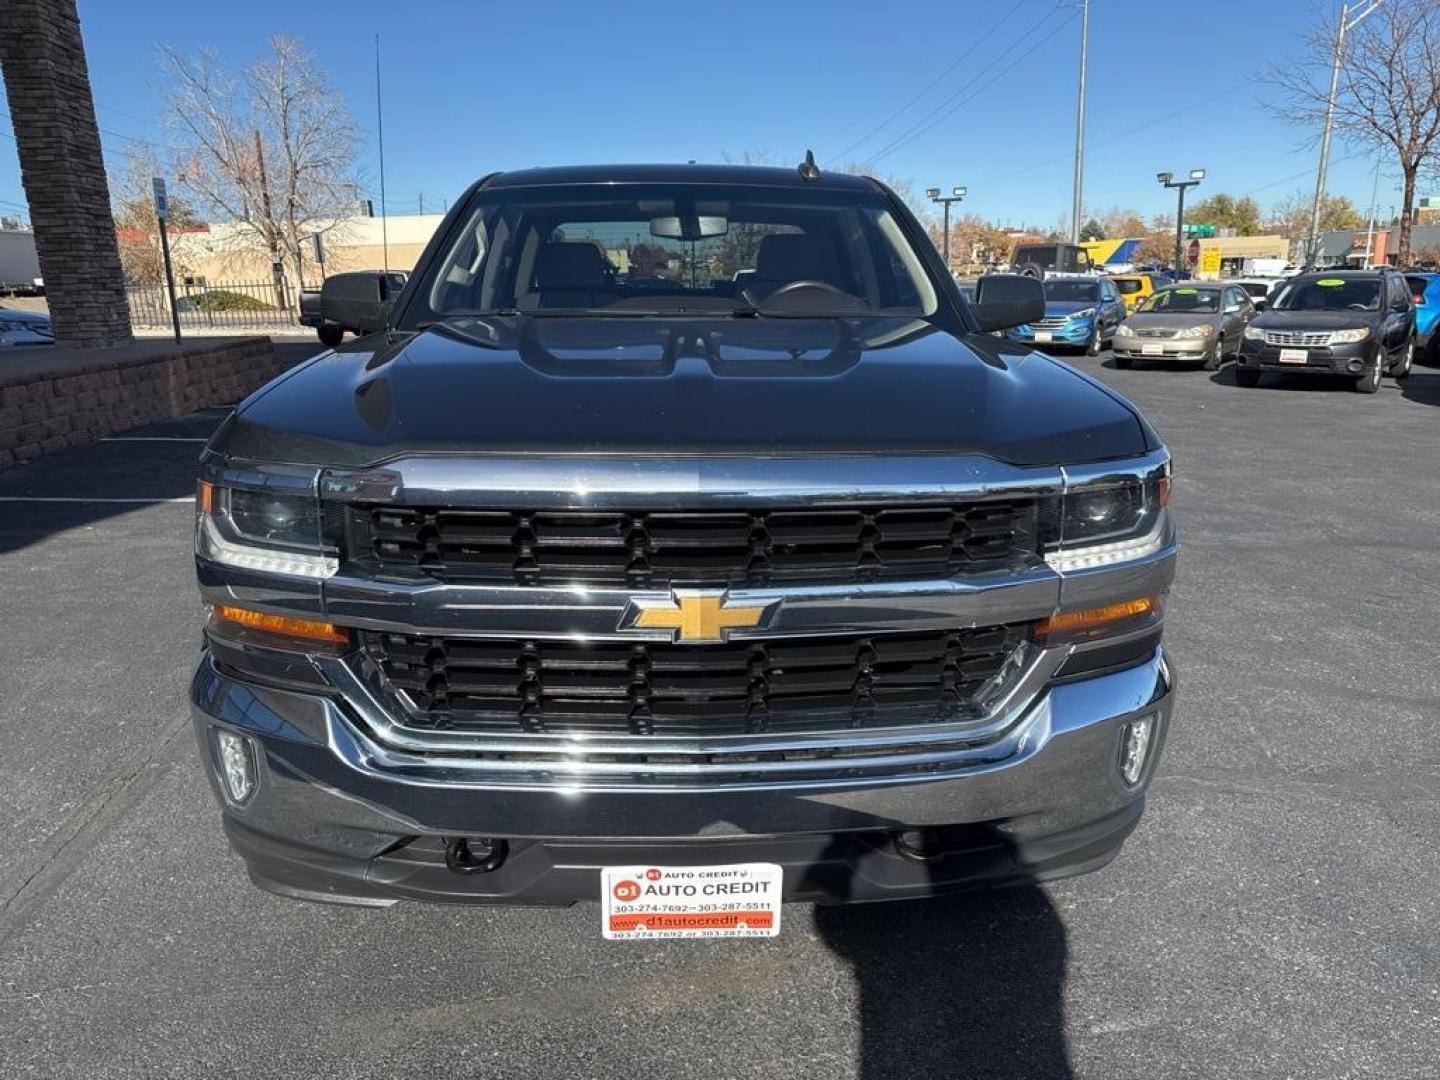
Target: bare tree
point(132, 203)
point(1389, 88)
point(1291, 216)
point(271, 148)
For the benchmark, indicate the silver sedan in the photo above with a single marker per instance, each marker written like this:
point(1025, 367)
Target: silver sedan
point(1201, 322)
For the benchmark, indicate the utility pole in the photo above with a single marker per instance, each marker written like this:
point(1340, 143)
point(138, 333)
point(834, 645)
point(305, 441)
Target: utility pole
point(380, 132)
point(1349, 19)
point(956, 195)
point(277, 264)
point(1169, 181)
point(1080, 126)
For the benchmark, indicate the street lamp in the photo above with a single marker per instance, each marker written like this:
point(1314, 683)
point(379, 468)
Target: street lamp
point(1169, 181)
point(956, 195)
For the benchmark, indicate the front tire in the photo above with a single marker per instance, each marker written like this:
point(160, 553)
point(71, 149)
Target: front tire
point(1401, 369)
point(1247, 377)
point(1369, 383)
point(1213, 360)
point(1093, 348)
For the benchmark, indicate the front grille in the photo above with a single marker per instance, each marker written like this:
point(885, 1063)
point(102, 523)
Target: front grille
point(1155, 332)
point(655, 549)
point(1308, 339)
point(1050, 322)
point(646, 688)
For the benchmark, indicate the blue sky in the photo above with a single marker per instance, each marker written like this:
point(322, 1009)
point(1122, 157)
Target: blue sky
point(473, 87)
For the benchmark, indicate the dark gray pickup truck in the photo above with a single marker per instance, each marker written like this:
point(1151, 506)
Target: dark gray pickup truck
point(357, 301)
point(687, 543)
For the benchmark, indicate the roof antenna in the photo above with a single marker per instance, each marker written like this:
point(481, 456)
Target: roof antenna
point(808, 169)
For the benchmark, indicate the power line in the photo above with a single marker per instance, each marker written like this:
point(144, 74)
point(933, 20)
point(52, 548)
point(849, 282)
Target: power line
point(928, 86)
point(1118, 136)
point(950, 105)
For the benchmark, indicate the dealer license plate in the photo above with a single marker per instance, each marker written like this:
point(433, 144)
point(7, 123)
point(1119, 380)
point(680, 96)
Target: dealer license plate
point(1293, 356)
point(1152, 350)
point(651, 902)
point(1043, 335)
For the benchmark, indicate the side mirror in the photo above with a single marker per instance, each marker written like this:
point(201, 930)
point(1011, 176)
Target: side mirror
point(359, 300)
point(1006, 300)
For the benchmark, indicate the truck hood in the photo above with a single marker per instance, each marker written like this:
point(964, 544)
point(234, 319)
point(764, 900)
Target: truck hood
point(682, 387)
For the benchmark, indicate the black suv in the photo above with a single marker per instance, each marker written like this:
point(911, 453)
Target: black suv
point(1341, 322)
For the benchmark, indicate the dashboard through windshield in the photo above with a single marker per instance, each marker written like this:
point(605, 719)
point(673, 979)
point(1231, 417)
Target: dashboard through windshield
point(620, 250)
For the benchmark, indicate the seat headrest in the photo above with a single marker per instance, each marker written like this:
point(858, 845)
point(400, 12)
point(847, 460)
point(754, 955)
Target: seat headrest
point(570, 264)
point(790, 257)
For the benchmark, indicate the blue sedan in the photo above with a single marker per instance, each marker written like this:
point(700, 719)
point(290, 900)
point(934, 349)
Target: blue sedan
point(1081, 312)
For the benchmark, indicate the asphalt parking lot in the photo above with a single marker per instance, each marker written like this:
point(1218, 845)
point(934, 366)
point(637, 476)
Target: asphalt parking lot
point(1275, 915)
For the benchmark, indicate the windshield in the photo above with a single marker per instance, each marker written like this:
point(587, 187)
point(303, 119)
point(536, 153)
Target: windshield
point(1330, 294)
point(1129, 285)
point(1169, 301)
point(675, 248)
point(1085, 291)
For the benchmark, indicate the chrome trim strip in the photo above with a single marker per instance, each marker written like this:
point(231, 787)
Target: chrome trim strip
point(508, 611)
point(1089, 702)
point(551, 481)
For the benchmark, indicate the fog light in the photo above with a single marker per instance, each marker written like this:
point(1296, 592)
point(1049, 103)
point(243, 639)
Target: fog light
point(1356, 366)
point(237, 765)
point(1135, 748)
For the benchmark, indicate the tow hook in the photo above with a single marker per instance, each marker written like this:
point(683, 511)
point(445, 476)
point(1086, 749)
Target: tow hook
point(475, 854)
point(919, 845)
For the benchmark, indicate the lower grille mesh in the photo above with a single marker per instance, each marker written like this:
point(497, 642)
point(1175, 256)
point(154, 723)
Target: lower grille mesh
point(776, 685)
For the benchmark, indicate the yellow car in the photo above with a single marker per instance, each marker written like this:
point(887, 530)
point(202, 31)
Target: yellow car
point(1135, 288)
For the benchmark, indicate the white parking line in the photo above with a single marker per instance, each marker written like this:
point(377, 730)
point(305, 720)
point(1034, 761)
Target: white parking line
point(81, 499)
point(151, 438)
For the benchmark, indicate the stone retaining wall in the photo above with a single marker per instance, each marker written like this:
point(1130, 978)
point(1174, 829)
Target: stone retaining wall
point(53, 398)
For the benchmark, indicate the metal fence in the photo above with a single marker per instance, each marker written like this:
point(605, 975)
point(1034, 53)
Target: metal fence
point(250, 304)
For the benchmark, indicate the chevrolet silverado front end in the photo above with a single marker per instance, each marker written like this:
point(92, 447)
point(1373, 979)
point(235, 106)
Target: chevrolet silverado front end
point(685, 518)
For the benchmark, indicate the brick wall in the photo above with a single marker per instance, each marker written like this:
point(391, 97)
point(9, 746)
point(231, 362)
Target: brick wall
point(68, 398)
point(58, 143)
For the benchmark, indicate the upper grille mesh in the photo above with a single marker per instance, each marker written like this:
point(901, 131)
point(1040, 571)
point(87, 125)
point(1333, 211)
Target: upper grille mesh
point(649, 549)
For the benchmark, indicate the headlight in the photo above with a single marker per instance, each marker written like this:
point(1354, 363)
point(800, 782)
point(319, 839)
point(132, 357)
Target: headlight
point(271, 531)
point(1087, 313)
point(1124, 330)
point(1110, 520)
point(1254, 333)
point(1348, 337)
point(1197, 331)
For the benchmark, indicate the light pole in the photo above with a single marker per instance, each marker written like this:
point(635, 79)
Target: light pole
point(1080, 129)
point(956, 195)
point(1349, 19)
point(1168, 179)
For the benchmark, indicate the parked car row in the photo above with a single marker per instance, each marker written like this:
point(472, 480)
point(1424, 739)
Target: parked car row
point(1359, 323)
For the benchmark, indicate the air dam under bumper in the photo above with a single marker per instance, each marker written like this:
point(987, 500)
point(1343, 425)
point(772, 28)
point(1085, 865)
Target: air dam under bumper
point(318, 828)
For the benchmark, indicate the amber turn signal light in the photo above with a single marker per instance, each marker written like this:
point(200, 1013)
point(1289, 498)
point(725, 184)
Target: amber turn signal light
point(205, 496)
point(284, 625)
point(1097, 621)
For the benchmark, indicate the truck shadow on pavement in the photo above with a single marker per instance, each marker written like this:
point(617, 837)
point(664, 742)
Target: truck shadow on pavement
point(1423, 387)
point(962, 986)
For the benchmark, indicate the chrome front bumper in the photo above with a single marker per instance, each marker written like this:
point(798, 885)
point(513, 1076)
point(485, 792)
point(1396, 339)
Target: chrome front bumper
point(328, 808)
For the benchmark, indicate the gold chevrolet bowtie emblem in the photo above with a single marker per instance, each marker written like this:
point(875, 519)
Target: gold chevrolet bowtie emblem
point(695, 615)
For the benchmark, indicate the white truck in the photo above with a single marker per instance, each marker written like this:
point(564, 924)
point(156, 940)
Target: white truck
point(19, 265)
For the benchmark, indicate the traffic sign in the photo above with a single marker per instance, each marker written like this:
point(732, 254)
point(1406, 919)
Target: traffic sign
point(162, 202)
point(1193, 254)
